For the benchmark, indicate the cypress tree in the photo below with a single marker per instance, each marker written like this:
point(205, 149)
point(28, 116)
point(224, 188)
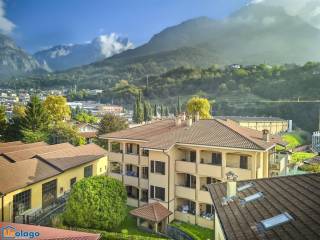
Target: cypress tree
point(166, 111)
point(179, 106)
point(161, 110)
point(155, 110)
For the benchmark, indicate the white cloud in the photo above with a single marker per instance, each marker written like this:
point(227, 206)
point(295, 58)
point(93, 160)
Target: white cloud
point(308, 10)
point(6, 26)
point(112, 44)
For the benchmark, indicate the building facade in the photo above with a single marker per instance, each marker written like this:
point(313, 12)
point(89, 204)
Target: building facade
point(34, 178)
point(172, 161)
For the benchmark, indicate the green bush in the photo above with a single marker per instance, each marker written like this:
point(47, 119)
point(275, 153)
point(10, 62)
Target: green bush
point(294, 140)
point(194, 231)
point(97, 202)
point(298, 157)
point(310, 168)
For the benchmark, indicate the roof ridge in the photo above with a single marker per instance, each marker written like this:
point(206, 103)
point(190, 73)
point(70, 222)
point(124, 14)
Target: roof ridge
point(246, 137)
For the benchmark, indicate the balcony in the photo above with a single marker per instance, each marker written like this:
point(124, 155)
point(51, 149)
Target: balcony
point(204, 196)
point(209, 170)
point(144, 183)
point(117, 176)
point(185, 192)
point(185, 217)
point(186, 167)
point(144, 160)
point(243, 174)
point(115, 157)
point(131, 159)
point(132, 202)
point(131, 180)
point(205, 222)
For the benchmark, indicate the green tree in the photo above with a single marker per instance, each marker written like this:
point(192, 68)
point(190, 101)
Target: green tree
point(36, 118)
point(155, 110)
point(57, 108)
point(147, 112)
point(64, 132)
point(3, 121)
point(13, 132)
point(112, 123)
point(166, 112)
point(86, 118)
point(178, 106)
point(97, 202)
point(161, 110)
point(200, 105)
point(138, 110)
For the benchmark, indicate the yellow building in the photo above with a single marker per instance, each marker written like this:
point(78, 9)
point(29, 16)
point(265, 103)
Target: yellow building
point(274, 125)
point(171, 162)
point(34, 176)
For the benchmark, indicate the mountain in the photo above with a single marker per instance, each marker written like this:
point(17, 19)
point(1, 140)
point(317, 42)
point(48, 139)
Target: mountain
point(62, 57)
point(14, 60)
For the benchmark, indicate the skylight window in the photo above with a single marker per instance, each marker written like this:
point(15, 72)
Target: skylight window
point(276, 220)
point(252, 197)
point(245, 186)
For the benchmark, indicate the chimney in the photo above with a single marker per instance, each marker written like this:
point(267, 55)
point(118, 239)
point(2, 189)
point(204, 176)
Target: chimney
point(265, 135)
point(189, 122)
point(231, 185)
point(183, 116)
point(178, 121)
point(197, 117)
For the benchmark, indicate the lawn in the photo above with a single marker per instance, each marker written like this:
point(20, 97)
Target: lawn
point(293, 139)
point(194, 231)
point(298, 157)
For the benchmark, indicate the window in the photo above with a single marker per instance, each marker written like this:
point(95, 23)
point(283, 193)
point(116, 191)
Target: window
point(244, 162)
point(72, 181)
point(115, 147)
point(190, 181)
point(144, 197)
point(209, 209)
point(21, 202)
point(193, 156)
point(276, 220)
point(145, 152)
point(88, 171)
point(145, 172)
point(158, 167)
point(217, 159)
point(157, 192)
point(49, 193)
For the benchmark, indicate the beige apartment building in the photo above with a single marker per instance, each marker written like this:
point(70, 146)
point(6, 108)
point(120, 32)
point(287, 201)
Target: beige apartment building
point(171, 161)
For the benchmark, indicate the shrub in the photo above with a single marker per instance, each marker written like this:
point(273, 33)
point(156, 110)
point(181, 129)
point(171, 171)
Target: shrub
point(298, 157)
point(97, 202)
point(310, 168)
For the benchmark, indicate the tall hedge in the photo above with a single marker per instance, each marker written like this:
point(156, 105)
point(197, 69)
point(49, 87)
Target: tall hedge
point(97, 202)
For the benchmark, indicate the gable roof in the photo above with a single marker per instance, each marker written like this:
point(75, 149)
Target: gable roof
point(69, 158)
point(154, 212)
point(212, 132)
point(17, 147)
point(24, 167)
point(297, 195)
point(251, 119)
point(48, 233)
point(31, 152)
point(7, 144)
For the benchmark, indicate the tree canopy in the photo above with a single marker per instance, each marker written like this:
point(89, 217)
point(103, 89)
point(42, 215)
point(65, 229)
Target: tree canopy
point(57, 108)
point(111, 123)
point(97, 202)
point(201, 105)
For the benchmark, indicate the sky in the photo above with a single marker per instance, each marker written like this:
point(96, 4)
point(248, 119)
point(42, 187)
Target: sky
point(39, 24)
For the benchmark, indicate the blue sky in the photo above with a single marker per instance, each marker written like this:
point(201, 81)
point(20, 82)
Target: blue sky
point(43, 23)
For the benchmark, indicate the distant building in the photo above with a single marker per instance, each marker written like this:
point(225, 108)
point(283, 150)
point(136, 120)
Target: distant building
point(270, 208)
point(274, 125)
point(316, 142)
point(87, 130)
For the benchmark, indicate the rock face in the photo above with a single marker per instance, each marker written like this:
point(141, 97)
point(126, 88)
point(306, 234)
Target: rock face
point(14, 60)
point(62, 57)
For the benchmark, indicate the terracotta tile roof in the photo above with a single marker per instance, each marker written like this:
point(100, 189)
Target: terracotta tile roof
point(17, 147)
point(23, 173)
point(297, 195)
point(251, 119)
point(313, 161)
point(154, 212)
point(6, 144)
point(69, 158)
point(47, 233)
point(144, 132)
point(88, 134)
point(31, 152)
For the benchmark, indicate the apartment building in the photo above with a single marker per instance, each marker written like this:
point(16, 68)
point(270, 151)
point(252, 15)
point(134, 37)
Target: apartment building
point(271, 208)
point(33, 177)
point(274, 125)
point(171, 161)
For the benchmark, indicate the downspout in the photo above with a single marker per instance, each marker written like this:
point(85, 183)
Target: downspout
point(2, 206)
point(169, 165)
